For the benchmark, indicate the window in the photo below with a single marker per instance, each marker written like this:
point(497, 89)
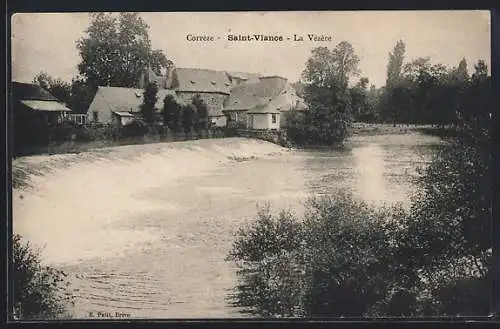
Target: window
point(273, 118)
point(95, 116)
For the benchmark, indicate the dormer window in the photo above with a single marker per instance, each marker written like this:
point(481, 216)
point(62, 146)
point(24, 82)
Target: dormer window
point(193, 82)
point(213, 82)
point(137, 94)
point(227, 84)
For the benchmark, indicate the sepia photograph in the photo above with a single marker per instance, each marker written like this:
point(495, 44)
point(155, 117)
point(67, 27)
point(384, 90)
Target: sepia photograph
point(251, 165)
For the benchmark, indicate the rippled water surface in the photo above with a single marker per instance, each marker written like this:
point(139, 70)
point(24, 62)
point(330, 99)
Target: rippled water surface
point(148, 236)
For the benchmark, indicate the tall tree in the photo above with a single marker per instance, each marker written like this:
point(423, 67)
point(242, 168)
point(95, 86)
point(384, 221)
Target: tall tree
point(188, 117)
point(170, 112)
point(394, 71)
point(149, 102)
point(395, 64)
point(480, 71)
point(326, 79)
point(462, 73)
point(82, 95)
point(202, 111)
point(359, 98)
point(116, 49)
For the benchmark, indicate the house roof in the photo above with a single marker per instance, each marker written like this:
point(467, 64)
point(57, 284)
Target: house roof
point(201, 80)
point(46, 106)
point(36, 98)
point(29, 91)
point(263, 97)
point(123, 114)
point(119, 99)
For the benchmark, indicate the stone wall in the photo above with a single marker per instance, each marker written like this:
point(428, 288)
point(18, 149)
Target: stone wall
point(240, 117)
point(214, 101)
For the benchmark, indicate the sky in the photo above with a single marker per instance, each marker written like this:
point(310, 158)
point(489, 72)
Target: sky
point(47, 41)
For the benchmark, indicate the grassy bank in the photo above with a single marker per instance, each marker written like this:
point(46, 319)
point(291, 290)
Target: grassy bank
point(369, 129)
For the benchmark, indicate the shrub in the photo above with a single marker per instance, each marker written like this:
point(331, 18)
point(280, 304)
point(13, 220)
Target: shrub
point(338, 261)
point(39, 292)
point(136, 128)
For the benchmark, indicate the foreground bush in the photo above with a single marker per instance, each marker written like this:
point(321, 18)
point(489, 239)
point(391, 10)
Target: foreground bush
point(39, 292)
point(345, 258)
point(338, 261)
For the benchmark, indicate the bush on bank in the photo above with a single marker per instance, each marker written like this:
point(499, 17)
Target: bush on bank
point(39, 292)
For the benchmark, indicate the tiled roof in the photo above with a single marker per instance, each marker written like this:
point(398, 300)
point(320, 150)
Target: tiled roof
point(201, 80)
point(263, 97)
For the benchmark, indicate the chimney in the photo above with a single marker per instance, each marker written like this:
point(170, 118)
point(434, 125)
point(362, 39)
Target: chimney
point(169, 76)
point(273, 82)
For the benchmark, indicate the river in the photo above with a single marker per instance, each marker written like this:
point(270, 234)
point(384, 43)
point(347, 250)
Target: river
point(147, 237)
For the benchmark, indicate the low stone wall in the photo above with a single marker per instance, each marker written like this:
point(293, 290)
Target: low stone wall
point(273, 136)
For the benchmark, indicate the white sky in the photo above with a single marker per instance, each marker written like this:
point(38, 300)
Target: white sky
point(47, 41)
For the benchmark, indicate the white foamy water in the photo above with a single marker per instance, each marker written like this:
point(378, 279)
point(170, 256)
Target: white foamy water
point(144, 229)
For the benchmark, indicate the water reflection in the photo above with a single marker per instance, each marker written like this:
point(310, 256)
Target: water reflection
point(370, 170)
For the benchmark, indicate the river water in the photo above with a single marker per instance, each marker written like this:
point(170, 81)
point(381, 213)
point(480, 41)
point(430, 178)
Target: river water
point(158, 250)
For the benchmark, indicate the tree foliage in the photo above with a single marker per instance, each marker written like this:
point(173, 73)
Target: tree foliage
point(170, 113)
point(77, 95)
point(422, 92)
point(202, 113)
point(188, 118)
point(116, 49)
point(57, 87)
point(325, 86)
point(39, 292)
point(148, 109)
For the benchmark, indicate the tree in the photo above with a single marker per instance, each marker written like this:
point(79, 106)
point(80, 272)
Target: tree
point(359, 98)
point(394, 70)
point(462, 73)
point(149, 102)
point(188, 118)
point(82, 95)
point(202, 111)
point(395, 64)
point(116, 49)
point(170, 111)
point(325, 80)
point(39, 292)
point(480, 71)
point(57, 87)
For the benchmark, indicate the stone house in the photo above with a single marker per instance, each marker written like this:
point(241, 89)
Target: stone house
point(117, 105)
point(263, 104)
point(212, 86)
